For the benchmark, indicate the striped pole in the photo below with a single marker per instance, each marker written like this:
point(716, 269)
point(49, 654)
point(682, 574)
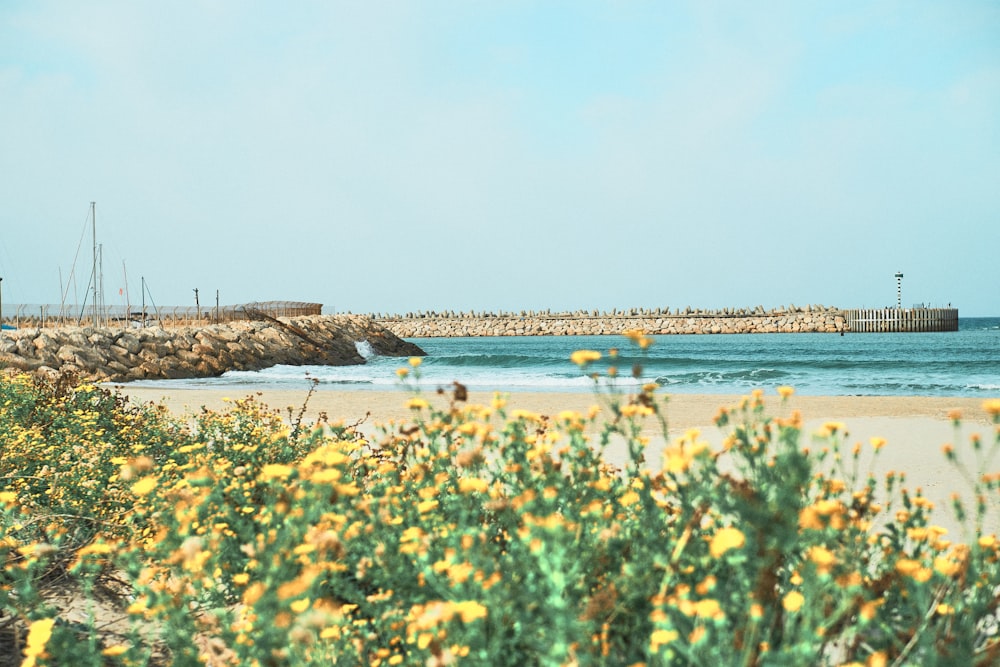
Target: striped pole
point(899, 290)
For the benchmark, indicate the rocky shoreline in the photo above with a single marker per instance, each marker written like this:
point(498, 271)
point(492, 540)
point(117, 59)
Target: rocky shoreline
point(807, 319)
point(124, 354)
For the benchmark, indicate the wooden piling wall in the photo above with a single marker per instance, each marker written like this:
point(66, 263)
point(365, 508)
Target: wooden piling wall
point(901, 320)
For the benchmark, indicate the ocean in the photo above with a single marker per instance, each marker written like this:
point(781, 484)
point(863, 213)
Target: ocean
point(962, 363)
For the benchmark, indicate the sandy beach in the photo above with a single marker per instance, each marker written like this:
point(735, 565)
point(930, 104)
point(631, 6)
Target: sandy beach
point(914, 427)
point(684, 411)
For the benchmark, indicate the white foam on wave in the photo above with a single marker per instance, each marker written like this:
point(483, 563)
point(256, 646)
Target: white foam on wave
point(365, 349)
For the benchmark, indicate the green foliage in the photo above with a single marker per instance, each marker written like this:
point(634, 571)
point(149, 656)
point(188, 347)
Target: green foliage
point(476, 536)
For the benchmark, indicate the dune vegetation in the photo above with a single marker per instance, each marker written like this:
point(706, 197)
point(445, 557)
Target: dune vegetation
point(474, 535)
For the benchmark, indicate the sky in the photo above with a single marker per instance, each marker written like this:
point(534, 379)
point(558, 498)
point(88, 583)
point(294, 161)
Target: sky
point(394, 157)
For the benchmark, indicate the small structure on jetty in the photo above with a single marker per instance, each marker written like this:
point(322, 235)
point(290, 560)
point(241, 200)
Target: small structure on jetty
point(901, 320)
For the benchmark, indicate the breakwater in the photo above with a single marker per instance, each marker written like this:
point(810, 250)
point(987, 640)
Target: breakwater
point(123, 354)
point(793, 319)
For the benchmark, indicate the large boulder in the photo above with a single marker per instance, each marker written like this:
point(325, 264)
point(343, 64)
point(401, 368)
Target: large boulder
point(154, 353)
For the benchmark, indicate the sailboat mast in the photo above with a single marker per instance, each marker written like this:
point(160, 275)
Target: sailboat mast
point(100, 282)
point(93, 229)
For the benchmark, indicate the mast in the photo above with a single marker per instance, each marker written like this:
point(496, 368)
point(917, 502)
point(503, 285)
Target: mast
point(100, 265)
point(127, 320)
point(93, 230)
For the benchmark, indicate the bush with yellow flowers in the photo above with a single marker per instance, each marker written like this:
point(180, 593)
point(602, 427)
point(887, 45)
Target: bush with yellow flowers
point(482, 536)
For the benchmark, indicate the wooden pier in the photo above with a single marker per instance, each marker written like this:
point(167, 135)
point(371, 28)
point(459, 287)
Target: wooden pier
point(901, 320)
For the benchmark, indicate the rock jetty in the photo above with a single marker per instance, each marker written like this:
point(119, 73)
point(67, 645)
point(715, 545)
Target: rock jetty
point(791, 319)
point(120, 355)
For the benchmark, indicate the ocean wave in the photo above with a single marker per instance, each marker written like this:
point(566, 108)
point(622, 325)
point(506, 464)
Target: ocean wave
point(946, 364)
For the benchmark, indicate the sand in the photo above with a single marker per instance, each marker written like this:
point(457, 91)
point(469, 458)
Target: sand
point(914, 427)
point(683, 410)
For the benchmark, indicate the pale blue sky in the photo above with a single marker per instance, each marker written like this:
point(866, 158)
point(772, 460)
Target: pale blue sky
point(402, 156)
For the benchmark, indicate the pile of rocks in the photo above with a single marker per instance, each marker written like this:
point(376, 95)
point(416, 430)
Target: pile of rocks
point(809, 319)
point(120, 355)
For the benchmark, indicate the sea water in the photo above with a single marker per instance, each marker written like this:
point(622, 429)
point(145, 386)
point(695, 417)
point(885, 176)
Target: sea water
point(961, 363)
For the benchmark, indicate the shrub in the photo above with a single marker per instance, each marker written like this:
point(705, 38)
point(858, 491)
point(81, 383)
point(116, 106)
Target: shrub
point(478, 535)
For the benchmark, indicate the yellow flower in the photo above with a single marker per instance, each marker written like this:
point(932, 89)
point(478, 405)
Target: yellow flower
point(785, 392)
point(633, 410)
point(8, 497)
point(677, 459)
point(144, 486)
point(526, 415)
point(992, 406)
point(629, 498)
point(426, 506)
point(253, 593)
point(569, 416)
point(97, 548)
point(417, 404)
point(724, 540)
point(907, 566)
point(38, 636)
point(115, 650)
point(823, 558)
point(584, 357)
point(327, 476)
point(833, 427)
point(469, 610)
point(877, 443)
point(869, 609)
point(241, 579)
point(639, 337)
point(792, 601)
point(402, 372)
point(470, 484)
point(661, 637)
point(275, 471)
point(708, 608)
point(415, 361)
point(822, 513)
point(138, 607)
point(347, 489)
